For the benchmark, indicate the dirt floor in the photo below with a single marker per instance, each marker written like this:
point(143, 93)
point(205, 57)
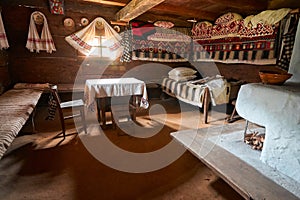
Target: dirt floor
point(39, 166)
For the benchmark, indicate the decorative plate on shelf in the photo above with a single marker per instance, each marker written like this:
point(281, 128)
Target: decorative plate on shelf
point(69, 22)
point(84, 21)
point(38, 18)
point(117, 29)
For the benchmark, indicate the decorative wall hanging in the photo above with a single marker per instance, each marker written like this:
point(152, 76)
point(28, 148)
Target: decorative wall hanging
point(83, 39)
point(57, 6)
point(288, 29)
point(150, 45)
point(34, 41)
point(127, 45)
point(84, 21)
point(164, 24)
point(99, 25)
point(117, 28)
point(3, 38)
point(69, 23)
point(38, 18)
point(231, 40)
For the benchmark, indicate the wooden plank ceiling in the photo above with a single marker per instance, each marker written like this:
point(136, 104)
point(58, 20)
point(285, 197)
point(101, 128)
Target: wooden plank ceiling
point(179, 11)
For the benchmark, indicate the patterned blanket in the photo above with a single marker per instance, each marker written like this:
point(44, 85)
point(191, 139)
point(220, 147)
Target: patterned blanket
point(233, 41)
point(151, 43)
point(16, 105)
point(192, 92)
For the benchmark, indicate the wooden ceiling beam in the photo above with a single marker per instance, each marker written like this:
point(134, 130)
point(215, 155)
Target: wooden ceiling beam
point(135, 8)
point(181, 11)
point(110, 3)
point(245, 4)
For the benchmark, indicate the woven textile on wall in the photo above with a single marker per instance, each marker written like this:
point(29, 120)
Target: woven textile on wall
point(151, 43)
point(232, 39)
point(127, 46)
point(34, 41)
point(288, 29)
point(83, 40)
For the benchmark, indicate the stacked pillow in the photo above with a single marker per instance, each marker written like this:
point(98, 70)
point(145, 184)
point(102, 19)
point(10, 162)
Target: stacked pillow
point(182, 74)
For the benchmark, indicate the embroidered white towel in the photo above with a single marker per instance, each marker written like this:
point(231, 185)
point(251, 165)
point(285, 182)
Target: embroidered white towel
point(34, 41)
point(83, 39)
point(3, 38)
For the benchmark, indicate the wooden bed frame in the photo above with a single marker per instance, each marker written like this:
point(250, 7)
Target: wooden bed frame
point(205, 102)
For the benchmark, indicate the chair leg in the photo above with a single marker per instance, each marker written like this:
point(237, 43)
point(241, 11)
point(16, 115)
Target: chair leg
point(113, 120)
point(63, 129)
point(32, 120)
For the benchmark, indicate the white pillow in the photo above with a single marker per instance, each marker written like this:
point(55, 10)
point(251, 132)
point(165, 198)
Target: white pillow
point(182, 78)
point(182, 71)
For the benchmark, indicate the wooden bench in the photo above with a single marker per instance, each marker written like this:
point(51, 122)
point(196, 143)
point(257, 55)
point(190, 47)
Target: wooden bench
point(16, 106)
point(69, 87)
point(241, 174)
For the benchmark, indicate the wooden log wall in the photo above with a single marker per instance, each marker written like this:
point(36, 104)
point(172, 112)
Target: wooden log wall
point(66, 64)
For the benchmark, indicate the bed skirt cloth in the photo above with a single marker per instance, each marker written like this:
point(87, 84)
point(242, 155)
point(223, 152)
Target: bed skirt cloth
point(192, 92)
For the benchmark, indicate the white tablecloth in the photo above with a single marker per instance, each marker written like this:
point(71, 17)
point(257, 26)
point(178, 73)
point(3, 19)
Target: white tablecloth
point(100, 88)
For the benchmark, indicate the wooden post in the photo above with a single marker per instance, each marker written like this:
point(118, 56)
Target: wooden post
point(206, 104)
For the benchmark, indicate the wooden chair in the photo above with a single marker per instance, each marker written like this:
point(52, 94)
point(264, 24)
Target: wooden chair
point(75, 105)
point(119, 111)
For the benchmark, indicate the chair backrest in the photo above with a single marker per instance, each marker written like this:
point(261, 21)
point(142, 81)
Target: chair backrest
point(54, 93)
point(56, 98)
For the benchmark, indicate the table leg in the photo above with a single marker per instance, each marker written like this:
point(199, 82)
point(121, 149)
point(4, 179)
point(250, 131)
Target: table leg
point(102, 111)
point(134, 98)
point(98, 110)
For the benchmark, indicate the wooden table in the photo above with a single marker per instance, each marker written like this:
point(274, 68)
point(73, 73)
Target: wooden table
point(97, 91)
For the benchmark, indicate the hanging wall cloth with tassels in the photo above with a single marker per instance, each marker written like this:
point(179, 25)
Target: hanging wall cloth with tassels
point(127, 45)
point(83, 39)
point(3, 38)
point(34, 41)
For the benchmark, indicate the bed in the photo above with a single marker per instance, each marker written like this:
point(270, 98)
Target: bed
point(16, 106)
point(199, 92)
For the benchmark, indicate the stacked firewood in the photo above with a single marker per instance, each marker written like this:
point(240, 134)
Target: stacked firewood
point(255, 140)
